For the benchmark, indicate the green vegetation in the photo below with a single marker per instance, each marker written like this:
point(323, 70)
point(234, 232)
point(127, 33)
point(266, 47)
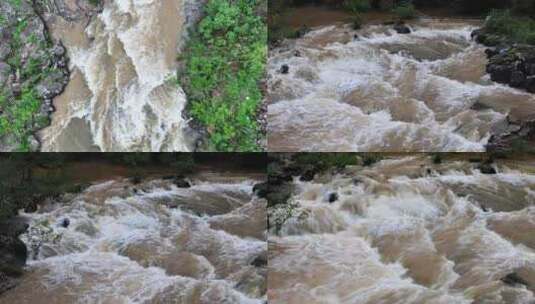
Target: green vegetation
point(225, 62)
point(405, 10)
point(20, 114)
point(514, 28)
point(357, 6)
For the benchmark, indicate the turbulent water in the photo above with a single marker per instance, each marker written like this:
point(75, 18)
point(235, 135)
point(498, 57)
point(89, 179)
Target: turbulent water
point(120, 96)
point(383, 91)
point(149, 243)
point(407, 231)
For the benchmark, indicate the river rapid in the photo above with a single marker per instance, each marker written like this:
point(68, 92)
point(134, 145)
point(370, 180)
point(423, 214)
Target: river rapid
point(406, 230)
point(122, 94)
point(148, 243)
point(377, 90)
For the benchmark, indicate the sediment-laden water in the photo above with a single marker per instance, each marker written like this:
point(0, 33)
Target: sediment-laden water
point(407, 231)
point(377, 90)
point(121, 95)
point(148, 243)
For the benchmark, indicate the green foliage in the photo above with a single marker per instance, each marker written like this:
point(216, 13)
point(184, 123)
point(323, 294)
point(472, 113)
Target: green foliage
point(514, 28)
point(405, 10)
point(357, 6)
point(225, 62)
point(357, 21)
point(18, 116)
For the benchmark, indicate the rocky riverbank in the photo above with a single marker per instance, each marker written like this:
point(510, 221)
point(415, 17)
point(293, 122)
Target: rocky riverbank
point(13, 253)
point(512, 64)
point(33, 70)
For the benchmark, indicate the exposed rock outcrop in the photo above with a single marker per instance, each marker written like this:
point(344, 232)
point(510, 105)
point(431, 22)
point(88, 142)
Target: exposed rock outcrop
point(33, 70)
point(13, 253)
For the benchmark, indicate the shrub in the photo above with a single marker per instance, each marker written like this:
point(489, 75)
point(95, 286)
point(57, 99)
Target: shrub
point(357, 6)
point(357, 21)
point(225, 62)
point(514, 28)
point(405, 11)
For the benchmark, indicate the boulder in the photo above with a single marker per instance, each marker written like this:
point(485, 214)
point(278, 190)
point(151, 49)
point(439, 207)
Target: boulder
point(513, 279)
point(181, 183)
point(261, 189)
point(518, 79)
point(487, 168)
point(333, 197)
point(401, 28)
point(285, 69)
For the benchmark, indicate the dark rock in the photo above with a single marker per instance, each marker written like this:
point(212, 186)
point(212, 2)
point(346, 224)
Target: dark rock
point(530, 84)
point(514, 279)
point(285, 69)
point(65, 223)
point(308, 174)
point(181, 183)
point(355, 37)
point(260, 261)
point(490, 52)
point(487, 168)
point(518, 79)
point(261, 189)
point(297, 53)
point(401, 28)
point(500, 73)
point(279, 194)
point(333, 197)
point(13, 254)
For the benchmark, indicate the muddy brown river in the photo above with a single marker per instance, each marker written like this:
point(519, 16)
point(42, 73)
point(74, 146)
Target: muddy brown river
point(406, 230)
point(377, 90)
point(148, 243)
point(121, 95)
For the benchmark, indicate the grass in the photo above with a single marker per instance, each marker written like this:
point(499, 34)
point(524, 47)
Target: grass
point(225, 62)
point(514, 28)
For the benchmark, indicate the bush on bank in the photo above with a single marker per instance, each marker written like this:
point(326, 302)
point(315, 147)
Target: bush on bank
point(225, 63)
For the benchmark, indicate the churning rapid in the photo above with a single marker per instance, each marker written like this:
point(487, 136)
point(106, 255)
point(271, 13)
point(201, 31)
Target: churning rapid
point(407, 231)
point(377, 90)
point(121, 96)
point(149, 243)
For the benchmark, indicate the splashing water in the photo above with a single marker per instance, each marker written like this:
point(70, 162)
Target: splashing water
point(148, 243)
point(383, 91)
point(407, 231)
point(122, 96)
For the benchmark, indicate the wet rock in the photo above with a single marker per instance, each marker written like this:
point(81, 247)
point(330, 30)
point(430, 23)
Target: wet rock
point(261, 189)
point(513, 279)
point(260, 261)
point(58, 50)
point(530, 84)
point(308, 174)
point(333, 197)
point(13, 254)
point(65, 223)
point(181, 183)
point(285, 69)
point(279, 194)
point(401, 28)
point(518, 79)
point(487, 168)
